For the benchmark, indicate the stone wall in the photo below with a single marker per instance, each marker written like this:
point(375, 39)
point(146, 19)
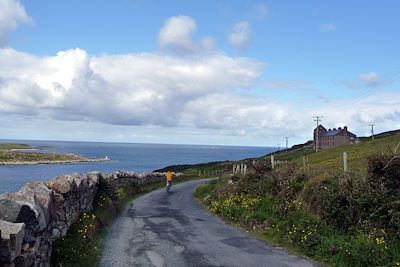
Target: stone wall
point(41, 212)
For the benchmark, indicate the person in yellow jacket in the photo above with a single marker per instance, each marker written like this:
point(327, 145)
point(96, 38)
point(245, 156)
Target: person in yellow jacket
point(170, 177)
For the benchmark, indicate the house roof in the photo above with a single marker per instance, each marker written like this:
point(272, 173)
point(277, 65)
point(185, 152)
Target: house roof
point(331, 133)
point(334, 132)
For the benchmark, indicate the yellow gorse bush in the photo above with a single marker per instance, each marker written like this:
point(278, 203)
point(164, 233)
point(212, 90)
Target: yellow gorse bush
point(229, 204)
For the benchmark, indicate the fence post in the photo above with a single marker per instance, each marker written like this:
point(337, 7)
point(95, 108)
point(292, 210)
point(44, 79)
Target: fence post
point(245, 170)
point(272, 162)
point(199, 173)
point(345, 166)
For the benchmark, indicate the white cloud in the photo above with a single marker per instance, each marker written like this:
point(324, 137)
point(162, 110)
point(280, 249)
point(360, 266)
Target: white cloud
point(328, 27)
point(285, 84)
point(261, 11)
point(242, 114)
point(177, 35)
point(163, 91)
point(12, 13)
point(381, 108)
point(370, 79)
point(132, 89)
point(240, 35)
point(149, 93)
point(365, 80)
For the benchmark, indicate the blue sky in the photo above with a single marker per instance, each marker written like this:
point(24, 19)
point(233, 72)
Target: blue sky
point(210, 72)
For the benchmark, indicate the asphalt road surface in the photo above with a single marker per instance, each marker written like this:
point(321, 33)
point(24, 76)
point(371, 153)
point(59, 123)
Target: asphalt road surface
point(172, 229)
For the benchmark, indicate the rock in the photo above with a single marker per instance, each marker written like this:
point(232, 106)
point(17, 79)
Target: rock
point(11, 238)
point(25, 247)
point(63, 184)
point(55, 233)
point(19, 209)
point(40, 195)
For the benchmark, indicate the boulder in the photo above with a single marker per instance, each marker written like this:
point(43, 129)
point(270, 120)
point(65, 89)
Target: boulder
point(11, 239)
point(63, 184)
point(41, 196)
point(18, 208)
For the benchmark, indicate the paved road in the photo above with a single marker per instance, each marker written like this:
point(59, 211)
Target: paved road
point(161, 229)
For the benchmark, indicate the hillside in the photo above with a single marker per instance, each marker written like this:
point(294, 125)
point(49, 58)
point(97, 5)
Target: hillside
point(325, 162)
point(343, 219)
point(330, 161)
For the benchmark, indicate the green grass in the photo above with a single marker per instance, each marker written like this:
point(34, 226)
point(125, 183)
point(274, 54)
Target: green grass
point(18, 156)
point(300, 232)
point(330, 162)
point(8, 155)
point(199, 171)
point(9, 146)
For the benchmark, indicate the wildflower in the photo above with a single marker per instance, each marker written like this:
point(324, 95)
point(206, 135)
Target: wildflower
point(380, 240)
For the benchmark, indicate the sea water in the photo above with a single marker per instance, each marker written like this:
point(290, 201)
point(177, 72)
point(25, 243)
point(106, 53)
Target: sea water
point(123, 156)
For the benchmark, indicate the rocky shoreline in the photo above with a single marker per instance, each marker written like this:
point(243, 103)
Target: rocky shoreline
point(2, 163)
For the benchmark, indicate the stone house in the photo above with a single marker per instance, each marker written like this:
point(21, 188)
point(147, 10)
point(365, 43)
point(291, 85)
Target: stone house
point(333, 137)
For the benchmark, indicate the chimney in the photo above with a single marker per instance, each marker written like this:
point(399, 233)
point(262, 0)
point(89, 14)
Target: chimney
point(345, 128)
point(334, 129)
point(339, 128)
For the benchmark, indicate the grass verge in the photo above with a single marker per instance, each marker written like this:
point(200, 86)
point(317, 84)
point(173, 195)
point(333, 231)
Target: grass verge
point(298, 230)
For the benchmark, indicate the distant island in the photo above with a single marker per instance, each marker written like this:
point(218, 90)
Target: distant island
point(22, 154)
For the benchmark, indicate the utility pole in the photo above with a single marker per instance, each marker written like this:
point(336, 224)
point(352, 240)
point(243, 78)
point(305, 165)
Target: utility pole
point(317, 119)
point(372, 131)
point(287, 138)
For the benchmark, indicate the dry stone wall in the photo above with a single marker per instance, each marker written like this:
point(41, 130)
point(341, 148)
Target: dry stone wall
point(41, 212)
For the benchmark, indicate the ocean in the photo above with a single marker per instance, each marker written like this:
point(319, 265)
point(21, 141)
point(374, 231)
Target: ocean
point(124, 156)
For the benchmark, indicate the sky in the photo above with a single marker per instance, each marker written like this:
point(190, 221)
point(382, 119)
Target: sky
point(197, 72)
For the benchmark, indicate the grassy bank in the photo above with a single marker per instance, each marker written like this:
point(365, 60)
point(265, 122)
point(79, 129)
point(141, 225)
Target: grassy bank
point(350, 219)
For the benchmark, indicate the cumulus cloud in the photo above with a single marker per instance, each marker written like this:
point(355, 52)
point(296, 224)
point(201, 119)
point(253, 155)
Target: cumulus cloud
point(370, 79)
point(12, 13)
point(240, 35)
point(328, 27)
point(132, 89)
point(261, 116)
point(196, 92)
point(170, 91)
point(358, 114)
point(177, 35)
point(365, 80)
